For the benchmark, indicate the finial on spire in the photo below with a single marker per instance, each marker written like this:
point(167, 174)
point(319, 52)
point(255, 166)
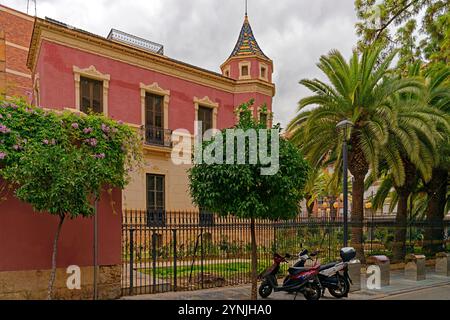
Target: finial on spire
point(246, 7)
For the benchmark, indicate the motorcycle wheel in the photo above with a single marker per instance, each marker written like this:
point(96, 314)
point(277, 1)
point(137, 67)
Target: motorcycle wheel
point(265, 290)
point(312, 291)
point(343, 291)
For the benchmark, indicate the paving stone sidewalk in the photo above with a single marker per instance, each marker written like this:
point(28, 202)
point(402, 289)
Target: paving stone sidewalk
point(434, 287)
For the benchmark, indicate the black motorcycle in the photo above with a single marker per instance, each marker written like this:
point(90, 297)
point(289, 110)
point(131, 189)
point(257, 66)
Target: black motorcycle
point(333, 276)
point(299, 280)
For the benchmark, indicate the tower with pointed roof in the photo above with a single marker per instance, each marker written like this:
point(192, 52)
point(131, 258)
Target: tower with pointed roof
point(247, 60)
point(252, 69)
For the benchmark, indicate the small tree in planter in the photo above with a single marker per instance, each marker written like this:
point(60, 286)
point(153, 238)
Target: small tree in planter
point(241, 189)
point(59, 163)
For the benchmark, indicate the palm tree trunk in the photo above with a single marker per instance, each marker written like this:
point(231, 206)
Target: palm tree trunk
point(358, 216)
point(254, 294)
point(399, 248)
point(434, 231)
point(55, 250)
point(309, 207)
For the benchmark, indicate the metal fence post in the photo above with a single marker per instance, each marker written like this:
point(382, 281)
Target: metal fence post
point(202, 253)
point(174, 260)
point(131, 260)
point(154, 236)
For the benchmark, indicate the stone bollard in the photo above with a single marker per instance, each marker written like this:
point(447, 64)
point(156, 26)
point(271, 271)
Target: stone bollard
point(354, 271)
point(384, 264)
point(415, 267)
point(443, 264)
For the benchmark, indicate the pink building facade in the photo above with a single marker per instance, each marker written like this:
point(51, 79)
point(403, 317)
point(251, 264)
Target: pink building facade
point(73, 69)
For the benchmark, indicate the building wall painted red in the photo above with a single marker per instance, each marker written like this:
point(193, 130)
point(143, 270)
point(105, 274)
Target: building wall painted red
point(26, 237)
point(55, 68)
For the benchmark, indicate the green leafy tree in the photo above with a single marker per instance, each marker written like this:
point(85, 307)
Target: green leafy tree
point(241, 190)
point(359, 90)
point(396, 24)
point(59, 163)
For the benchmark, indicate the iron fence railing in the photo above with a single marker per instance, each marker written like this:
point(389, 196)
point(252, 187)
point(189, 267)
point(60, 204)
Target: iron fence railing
point(158, 136)
point(181, 251)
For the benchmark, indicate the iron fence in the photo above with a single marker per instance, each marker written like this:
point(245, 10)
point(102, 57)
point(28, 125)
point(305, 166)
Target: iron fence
point(182, 251)
point(158, 136)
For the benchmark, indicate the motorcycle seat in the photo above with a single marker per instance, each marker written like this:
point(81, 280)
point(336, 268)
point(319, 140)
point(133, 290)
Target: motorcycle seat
point(296, 270)
point(327, 266)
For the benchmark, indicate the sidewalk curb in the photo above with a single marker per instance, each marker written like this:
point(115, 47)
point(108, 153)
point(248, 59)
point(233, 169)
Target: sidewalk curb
point(380, 295)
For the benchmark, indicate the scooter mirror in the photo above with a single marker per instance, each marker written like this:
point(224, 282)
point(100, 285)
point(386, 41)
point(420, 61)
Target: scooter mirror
point(303, 252)
point(287, 256)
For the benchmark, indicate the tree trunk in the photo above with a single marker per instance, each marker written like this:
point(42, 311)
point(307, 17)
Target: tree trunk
point(310, 207)
point(55, 249)
point(254, 294)
point(399, 248)
point(358, 217)
point(434, 231)
point(359, 167)
point(403, 192)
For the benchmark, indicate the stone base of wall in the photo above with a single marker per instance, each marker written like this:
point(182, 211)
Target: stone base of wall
point(32, 285)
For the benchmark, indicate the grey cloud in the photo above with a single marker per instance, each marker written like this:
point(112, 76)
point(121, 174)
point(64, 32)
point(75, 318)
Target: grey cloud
point(294, 33)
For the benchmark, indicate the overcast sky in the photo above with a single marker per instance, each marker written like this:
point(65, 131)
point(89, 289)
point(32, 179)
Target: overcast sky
point(293, 33)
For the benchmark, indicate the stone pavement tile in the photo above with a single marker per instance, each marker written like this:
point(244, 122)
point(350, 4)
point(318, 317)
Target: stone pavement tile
point(398, 286)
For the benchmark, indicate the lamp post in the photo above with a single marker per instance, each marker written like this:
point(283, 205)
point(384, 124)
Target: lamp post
point(345, 125)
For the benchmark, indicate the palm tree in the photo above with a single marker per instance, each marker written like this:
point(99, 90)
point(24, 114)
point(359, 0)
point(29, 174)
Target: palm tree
point(321, 183)
point(358, 90)
point(438, 97)
point(413, 137)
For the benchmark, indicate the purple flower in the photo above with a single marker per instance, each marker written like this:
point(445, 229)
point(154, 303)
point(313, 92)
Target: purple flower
point(45, 141)
point(120, 122)
point(1, 117)
point(100, 156)
point(4, 129)
point(93, 142)
point(2, 155)
point(87, 130)
point(105, 128)
point(75, 125)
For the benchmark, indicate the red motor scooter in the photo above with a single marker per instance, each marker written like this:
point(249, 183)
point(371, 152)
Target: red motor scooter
point(299, 280)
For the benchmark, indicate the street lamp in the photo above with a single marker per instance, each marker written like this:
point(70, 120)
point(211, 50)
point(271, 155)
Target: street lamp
point(345, 125)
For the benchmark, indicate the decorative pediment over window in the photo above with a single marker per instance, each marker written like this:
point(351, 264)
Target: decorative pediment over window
point(154, 88)
point(90, 72)
point(206, 101)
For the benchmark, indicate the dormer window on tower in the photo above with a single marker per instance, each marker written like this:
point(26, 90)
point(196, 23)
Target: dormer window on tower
point(263, 72)
point(244, 70)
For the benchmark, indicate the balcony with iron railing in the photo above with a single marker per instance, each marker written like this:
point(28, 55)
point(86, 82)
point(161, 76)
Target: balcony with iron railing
point(155, 136)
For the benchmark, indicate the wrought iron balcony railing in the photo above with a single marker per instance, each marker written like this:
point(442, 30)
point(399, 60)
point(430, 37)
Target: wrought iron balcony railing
point(158, 136)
